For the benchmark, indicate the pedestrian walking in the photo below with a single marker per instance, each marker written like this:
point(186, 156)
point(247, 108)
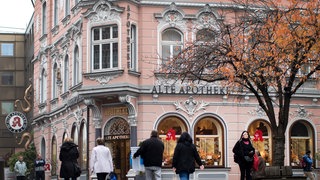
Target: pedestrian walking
point(20, 168)
point(101, 160)
point(39, 167)
point(307, 169)
point(184, 157)
point(151, 151)
point(243, 155)
point(68, 156)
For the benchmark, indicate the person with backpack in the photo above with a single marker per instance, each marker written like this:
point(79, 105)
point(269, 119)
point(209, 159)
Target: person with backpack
point(307, 168)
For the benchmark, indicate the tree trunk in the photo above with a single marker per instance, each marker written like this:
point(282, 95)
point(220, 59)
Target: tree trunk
point(278, 141)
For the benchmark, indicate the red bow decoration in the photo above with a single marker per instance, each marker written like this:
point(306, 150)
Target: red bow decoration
point(258, 135)
point(171, 134)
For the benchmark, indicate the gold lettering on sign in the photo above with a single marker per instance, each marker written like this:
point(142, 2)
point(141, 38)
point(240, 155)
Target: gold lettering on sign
point(116, 111)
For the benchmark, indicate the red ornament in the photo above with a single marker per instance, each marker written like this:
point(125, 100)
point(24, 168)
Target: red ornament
point(258, 135)
point(171, 134)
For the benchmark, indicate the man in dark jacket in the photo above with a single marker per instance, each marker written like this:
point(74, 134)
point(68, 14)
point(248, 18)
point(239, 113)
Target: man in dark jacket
point(39, 167)
point(151, 151)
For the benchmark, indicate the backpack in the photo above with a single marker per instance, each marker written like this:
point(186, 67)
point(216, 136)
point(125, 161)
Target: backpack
point(303, 163)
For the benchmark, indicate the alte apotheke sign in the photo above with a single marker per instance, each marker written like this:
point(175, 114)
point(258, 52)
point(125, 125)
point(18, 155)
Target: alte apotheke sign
point(16, 122)
point(208, 90)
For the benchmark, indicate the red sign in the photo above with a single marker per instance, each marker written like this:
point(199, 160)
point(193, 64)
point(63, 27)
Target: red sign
point(47, 167)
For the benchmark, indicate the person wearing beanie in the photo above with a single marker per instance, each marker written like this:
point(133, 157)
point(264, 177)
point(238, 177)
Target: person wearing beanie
point(243, 154)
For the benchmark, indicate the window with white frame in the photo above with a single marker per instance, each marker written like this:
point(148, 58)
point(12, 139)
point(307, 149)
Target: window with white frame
point(105, 47)
point(67, 7)
point(43, 86)
point(54, 81)
point(44, 18)
point(171, 44)
point(7, 49)
point(56, 12)
point(76, 66)
point(66, 74)
point(133, 48)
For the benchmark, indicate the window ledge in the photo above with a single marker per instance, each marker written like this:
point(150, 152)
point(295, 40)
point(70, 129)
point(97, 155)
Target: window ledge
point(134, 73)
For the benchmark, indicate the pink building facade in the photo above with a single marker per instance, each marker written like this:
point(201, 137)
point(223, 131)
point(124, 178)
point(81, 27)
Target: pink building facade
point(96, 74)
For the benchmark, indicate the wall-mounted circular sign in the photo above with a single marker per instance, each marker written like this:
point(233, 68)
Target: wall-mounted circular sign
point(16, 122)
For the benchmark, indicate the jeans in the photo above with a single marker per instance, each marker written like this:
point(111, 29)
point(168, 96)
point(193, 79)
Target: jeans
point(40, 175)
point(184, 175)
point(153, 173)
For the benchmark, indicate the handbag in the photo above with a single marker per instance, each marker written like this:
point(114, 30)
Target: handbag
point(248, 158)
point(77, 169)
point(112, 176)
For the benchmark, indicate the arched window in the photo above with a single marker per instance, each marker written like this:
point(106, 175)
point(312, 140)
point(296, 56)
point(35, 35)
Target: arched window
point(65, 135)
point(171, 44)
point(66, 74)
point(83, 145)
point(44, 18)
point(75, 134)
point(301, 140)
point(43, 148)
point(205, 35)
point(54, 81)
point(43, 86)
point(76, 66)
point(261, 137)
point(208, 136)
point(165, 129)
point(54, 156)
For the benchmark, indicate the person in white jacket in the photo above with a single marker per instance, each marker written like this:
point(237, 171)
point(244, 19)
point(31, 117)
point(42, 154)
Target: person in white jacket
point(101, 160)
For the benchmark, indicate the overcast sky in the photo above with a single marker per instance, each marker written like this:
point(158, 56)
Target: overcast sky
point(15, 15)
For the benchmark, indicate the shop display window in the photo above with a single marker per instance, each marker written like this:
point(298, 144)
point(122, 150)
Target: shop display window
point(301, 140)
point(260, 133)
point(170, 130)
point(209, 141)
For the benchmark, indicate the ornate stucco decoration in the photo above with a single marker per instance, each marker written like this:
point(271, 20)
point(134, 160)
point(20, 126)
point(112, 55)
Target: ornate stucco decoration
point(190, 106)
point(128, 101)
point(301, 113)
point(173, 17)
point(103, 11)
point(78, 115)
point(96, 113)
point(257, 112)
point(103, 77)
point(53, 129)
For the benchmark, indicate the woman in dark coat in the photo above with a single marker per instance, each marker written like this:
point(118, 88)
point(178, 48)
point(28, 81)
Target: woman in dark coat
point(68, 156)
point(243, 148)
point(184, 157)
